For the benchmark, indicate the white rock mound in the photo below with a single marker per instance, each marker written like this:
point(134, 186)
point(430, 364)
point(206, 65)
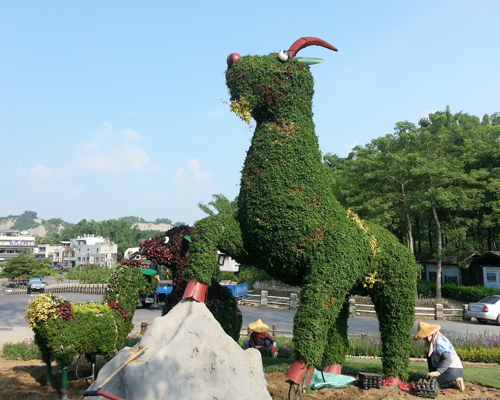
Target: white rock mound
point(187, 356)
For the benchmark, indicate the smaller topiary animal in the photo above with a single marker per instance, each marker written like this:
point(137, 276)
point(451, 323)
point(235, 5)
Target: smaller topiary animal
point(64, 330)
point(174, 253)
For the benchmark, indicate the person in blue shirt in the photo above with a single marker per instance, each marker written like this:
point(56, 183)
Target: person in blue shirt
point(442, 359)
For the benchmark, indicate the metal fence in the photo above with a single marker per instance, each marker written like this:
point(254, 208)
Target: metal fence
point(437, 312)
point(75, 288)
point(264, 300)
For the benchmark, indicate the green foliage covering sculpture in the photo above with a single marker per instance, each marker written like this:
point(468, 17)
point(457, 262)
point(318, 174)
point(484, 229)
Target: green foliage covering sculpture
point(64, 330)
point(290, 224)
point(174, 254)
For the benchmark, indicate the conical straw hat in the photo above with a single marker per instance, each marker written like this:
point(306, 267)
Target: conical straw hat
point(258, 326)
point(425, 330)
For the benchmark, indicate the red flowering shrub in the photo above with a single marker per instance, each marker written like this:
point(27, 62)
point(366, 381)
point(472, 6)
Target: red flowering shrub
point(65, 311)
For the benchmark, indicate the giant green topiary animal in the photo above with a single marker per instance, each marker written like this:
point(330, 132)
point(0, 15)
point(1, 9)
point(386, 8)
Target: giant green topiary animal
point(290, 224)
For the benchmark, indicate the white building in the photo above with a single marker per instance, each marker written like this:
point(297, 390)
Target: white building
point(132, 253)
point(13, 242)
point(226, 263)
point(53, 252)
point(90, 249)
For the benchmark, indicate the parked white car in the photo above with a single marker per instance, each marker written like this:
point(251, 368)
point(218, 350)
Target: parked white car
point(488, 309)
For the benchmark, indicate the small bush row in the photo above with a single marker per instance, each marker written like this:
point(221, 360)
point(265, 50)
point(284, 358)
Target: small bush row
point(482, 355)
point(473, 348)
point(465, 294)
point(26, 350)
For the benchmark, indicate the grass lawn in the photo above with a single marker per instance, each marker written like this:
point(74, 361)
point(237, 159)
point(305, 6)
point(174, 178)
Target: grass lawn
point(486, 376)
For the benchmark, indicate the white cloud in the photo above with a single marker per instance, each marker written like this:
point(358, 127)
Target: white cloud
point(53, 180)
point(349, 146)
point(192, 177)
point(113, 153)
point(106, 134)
point(112, 159)
point(42, 176)
point(131, 135)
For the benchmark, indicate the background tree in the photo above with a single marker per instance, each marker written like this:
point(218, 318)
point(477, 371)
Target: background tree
point(221, 205)
point(435, 186)
point(89, 273)
point(131, 219)
point(25, 221)
point(26, 266)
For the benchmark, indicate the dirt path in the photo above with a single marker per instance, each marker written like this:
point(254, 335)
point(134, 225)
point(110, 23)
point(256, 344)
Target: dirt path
point(24, 380)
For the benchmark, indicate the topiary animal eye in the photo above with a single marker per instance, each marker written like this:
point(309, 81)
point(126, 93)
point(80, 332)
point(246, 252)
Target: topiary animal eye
point(283, 55)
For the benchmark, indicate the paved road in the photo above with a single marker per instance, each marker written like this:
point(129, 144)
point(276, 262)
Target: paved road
point(13, 326)
point(284, 321)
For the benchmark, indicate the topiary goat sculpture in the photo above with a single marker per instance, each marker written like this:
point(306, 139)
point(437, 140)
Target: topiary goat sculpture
point(64, 330)
point(290, 224)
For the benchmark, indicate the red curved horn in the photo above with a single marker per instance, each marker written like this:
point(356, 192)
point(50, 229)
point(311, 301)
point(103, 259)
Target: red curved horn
point(308, 41)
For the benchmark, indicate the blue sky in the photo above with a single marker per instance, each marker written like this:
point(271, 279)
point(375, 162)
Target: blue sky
point(117, 108)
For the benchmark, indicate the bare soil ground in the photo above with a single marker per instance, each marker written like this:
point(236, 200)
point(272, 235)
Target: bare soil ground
point(26, 380)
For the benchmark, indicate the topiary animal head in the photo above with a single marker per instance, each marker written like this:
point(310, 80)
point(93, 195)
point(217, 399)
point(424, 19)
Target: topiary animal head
point(270, 87)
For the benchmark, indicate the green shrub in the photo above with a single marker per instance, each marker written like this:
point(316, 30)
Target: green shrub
point(480, 355)
point(89, 274)
point(250, 275)
point(426, 290)
point(132, 340)
point(472, 348)
point(226, 276)
point(465, 294)
point(21, 351)
point(281, 341)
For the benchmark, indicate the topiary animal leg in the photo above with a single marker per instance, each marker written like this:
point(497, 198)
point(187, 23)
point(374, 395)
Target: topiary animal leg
point(219, 232)
point(393, 295)
point(48, 369)
point(64, 389)
point(322, 299)
point(337, 344)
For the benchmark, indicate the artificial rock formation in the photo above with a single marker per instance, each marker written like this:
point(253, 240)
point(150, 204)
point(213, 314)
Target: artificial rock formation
point(187, 356)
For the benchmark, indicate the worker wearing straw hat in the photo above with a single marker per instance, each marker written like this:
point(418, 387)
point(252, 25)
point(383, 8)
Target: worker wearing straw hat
point(260, 337)
point(442, 359)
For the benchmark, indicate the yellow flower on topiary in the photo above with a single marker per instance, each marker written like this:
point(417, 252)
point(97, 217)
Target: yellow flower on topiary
point(371, 238)
point(241, 108)
point(42, 308)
